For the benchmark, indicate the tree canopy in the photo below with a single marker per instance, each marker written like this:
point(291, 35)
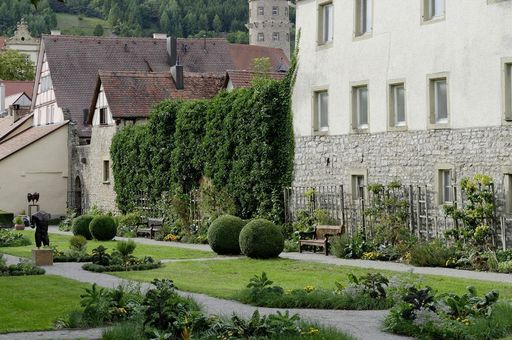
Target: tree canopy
point(16, 66)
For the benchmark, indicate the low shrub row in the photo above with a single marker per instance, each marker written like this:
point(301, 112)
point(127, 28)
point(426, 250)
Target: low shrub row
point(368, 292)
point(120, 268)
point(20, 269)
point(259, 238)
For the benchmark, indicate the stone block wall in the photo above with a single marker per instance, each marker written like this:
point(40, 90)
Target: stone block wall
point(412, 157)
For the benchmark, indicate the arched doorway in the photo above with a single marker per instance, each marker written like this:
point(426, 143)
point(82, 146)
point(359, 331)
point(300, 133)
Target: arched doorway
point(78, 196)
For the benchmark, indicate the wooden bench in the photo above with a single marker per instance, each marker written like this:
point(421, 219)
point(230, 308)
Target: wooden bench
point(153, 225)
point(319, 238)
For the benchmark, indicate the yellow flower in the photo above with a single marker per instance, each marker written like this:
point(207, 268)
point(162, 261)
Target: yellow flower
point(309, 289)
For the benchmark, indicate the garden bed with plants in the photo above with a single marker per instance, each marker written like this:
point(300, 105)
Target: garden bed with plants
point(120, 260)
point(11, 238)
point(162, 314)
point(23, 268)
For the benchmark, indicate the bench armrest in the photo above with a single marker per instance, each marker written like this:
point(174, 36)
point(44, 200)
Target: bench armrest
point(304, 234)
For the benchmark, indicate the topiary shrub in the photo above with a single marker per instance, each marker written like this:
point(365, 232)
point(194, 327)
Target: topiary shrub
point(78, 243)
point(223, 235)
point(261, 239)
point(81, 226)
point(103, 228)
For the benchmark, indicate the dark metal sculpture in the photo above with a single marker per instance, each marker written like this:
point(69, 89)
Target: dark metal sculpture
point(40, 222)
point(33, 198)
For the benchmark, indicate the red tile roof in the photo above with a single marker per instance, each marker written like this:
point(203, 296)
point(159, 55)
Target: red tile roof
point(27, 137)
point(133, 94)
point(17, 86)
point(8, 128)
point(75, 61)
point(244, 78)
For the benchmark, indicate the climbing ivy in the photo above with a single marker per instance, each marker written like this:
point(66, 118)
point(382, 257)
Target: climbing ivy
point(242, 140)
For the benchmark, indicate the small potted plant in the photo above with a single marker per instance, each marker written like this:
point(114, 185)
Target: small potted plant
point(18, 223)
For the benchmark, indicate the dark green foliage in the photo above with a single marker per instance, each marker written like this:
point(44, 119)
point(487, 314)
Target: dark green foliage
point(9, 238)
point(78, 243)
point(100, 256)
point(348, 247)
point(241, 140)
point(103, 228)
point(261, 238)
point(223, 235)
point(369, 293)
point(433, 254)
point(81, 226)
point(20, 269)
point(120, 268)
point(126, 248)
point(6, 219)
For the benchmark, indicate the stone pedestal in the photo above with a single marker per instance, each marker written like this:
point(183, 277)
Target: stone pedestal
point(42, 257)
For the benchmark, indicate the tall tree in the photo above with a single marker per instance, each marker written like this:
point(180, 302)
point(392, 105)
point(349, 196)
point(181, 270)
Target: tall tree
point(16, 66)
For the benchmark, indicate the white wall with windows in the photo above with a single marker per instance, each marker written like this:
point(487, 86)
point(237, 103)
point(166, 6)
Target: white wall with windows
point(452, 59)
point(46, 110)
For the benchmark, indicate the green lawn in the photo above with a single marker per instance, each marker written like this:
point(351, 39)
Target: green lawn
point(71, 24)
point(62, 243)
point(29, 303)
point(225, 278)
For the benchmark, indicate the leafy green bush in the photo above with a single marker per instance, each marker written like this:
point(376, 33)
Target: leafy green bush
point(120, 268)
point(224, 233)
point(81, 226)
point(21, 269)
point(126, 248)
point(450, 316)
point(78, 243)
point(505, 267)
point(6, 219)
point(433, 254)
point(100, 256)
point(348, 247)
point(9, 238)
point(261, 238)
point(103, 228)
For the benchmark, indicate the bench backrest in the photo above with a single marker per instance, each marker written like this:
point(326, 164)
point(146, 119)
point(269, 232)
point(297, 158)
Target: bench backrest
point(322, 230)
point(155, 223)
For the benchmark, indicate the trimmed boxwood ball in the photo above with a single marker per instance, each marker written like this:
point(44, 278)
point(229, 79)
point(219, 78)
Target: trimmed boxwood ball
point(223, 235)
point(81, 226)
point(103, 228)
point(261, 239)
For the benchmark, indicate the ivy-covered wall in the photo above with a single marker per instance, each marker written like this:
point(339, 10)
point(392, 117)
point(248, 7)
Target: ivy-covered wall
point(242, 140)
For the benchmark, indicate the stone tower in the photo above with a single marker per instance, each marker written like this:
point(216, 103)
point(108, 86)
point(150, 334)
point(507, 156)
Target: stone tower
point(269, 24)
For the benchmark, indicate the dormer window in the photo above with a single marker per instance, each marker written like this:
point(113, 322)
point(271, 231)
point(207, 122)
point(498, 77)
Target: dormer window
point(103, 116)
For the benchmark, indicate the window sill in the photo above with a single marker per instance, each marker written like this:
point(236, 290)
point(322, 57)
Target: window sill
point(321, 133)
point(361, 131)
point(106, 182)
point(398, 128)
point(324, 46)
point(358, 37)
point(439, 126)
point(434, 20)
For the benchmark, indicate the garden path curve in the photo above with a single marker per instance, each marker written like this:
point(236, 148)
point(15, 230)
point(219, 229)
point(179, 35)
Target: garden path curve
point(363, 325)
point(320, 258)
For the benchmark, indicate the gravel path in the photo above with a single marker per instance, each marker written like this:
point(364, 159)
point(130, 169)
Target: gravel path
point(364, 325)
point(94, 333)
point(319, 258)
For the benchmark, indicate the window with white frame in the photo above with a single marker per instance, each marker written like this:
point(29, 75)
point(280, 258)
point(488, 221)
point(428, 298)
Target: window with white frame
point(52, 114)
point(360, 107)
point(326, 23)
point(397, 105)
point(47, 115)
point(321, 113)
point(106, 171)
point(445, 190)
point(508, 90)
point(433, 9)
point(438, 93)
point(261, 37)
point(275, 10)
point(363, 17)
point(275, 36)
point(261, 10)
point(358, 184)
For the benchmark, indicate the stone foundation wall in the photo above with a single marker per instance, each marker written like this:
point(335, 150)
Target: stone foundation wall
point(412, 157)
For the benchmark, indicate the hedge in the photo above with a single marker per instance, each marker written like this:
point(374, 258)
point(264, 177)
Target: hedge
point(242, 140)
point(6, 219)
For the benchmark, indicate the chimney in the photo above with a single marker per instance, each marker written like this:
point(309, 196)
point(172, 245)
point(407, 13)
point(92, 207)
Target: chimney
point(2, 98)
point(172, 51)
point(159, 36)
point(177, 74)
point(55, 32)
